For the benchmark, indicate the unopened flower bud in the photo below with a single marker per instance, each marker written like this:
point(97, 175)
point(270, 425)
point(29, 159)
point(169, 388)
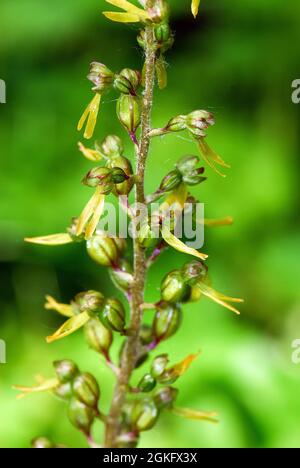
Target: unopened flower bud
point(176, 124)
point(171, 181)
point(63, 391)
point(113, 315)
point(99, 177)
point(98, 337)
point(90, 302)
point(129, 114)
point(86, 389)
point(127, 81)
point(163, 33)
point(101, 76)
point(144, 414)
point(174, 288)
point(165, 397)
point(198, 121)
point(105, 250)
point(159, 365)
point(123, 188)
point(122, 275)
point(167, 321)
point(147, 383)
point(111, 146)
point(65, 370)
point(42, 442)
point(194, 271)
point(81, 415)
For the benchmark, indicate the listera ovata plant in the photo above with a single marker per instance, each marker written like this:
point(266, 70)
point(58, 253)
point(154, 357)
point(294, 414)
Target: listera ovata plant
point(135, 407)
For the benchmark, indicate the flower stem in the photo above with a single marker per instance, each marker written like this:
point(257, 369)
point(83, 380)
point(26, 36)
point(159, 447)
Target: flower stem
point(130, 353)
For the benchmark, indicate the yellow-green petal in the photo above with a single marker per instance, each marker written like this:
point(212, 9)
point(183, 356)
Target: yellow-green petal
point(194, 414)
point(52, 239)
point(177, 244)
point(91, 155)
point(87, 212)
point(121, 17)
point(181, 367)
point(195, 7)
point(92, 118)
point(178, 196)
point(129, 8)
point(211, 157)
point(90, 114)
point(64, 309)
point(45, 386)
point(98, 210)
point(218, 297)
point(70, 326)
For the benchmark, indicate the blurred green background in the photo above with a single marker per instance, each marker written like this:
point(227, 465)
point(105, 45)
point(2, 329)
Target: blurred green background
point(237, 60)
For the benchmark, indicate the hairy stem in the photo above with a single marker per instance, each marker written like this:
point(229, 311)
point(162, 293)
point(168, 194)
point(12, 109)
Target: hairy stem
point(130, 353)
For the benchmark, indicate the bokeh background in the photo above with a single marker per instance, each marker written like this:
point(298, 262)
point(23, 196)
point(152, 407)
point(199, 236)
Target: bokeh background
point(237, 60)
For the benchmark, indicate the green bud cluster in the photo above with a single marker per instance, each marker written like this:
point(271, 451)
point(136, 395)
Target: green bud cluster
point(81, 392)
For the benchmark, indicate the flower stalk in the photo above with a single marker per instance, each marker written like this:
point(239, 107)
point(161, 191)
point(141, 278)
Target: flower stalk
point(129, 356)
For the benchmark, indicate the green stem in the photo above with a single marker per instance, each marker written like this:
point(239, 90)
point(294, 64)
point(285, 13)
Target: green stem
point(130, 353)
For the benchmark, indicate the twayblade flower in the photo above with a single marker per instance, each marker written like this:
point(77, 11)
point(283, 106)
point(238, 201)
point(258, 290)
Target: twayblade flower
point(102, 79)
point(177, 199)
point(196, 275)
